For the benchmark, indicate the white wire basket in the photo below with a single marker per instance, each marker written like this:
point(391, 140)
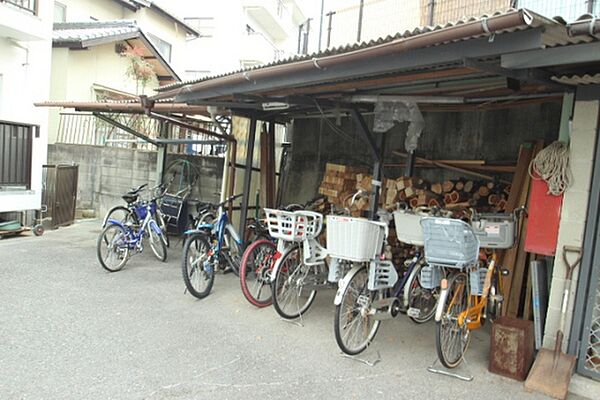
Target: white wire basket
point(477, 280)
point(449, 243)
point(355, 239)
point(430, 277)
point(408, 227)
point(293, 226)
point(495, 231)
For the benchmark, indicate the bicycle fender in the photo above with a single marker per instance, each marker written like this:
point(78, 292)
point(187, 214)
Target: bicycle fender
point(439, 309)
point(343, 283)
point(115, 222)
point(406, 289)
point(154, 226)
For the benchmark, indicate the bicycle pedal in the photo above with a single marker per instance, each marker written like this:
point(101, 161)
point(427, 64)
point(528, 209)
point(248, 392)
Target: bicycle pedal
point(413, 312)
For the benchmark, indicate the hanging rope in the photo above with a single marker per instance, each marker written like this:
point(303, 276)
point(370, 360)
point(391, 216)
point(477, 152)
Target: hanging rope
point(552, 165)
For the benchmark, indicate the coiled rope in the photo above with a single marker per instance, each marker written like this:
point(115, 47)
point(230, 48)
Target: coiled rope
point(552, 165)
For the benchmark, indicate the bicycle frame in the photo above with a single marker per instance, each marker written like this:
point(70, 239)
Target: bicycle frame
point(473, 315)
point(136, 237)
point(218, 229)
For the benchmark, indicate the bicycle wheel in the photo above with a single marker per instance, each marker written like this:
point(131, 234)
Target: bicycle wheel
point(290, 299)
point(160, 220)
point(119, 213)
point(112, 248)
point(354, 327)
point(421, 299)
point(233, 254)
point(452, 338)
point(255, 272)
point(197, 267)
point(157, 243)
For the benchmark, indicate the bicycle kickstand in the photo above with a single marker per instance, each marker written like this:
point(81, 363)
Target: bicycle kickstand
point(444, 371)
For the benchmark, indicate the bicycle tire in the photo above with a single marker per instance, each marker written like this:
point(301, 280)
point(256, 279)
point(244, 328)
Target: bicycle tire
point(206, 271)
point(257, 262)
point(118, 239)
point(449, 324)
point(425, 300)
point(282, 282)
point(342, 324)
point(157, 244)
point(160, 220)
point(119, 213)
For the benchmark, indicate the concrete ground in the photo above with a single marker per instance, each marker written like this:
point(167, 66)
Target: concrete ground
point(70, 330)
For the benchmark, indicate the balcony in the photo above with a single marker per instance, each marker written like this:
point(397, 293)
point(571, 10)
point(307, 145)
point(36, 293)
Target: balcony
point(19, 20)
point(257, 49)
point(273, 16)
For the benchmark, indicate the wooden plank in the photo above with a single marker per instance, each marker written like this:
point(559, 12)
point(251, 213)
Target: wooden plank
point(453, 168)
point(517, 197)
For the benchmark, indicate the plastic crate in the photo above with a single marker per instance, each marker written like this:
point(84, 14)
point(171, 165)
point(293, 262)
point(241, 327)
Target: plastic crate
point(477, 280)
point(293, 226)
point(495, 231)
point(449, 243)
point(430, 277)
point(408, 227)
point(354, 239)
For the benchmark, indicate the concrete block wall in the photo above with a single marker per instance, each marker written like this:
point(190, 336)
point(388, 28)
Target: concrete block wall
point(573, 215)
point(105, 173)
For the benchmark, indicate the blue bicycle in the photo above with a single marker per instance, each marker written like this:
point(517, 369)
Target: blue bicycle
point(208, 247)
point(119, 238)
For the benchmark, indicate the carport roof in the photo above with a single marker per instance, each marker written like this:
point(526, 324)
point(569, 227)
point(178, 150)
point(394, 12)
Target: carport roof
point(462, 58)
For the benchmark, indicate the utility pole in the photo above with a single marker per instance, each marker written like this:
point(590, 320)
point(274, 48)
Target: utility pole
point(305, 47)
point(330, 15)
point(321, 23)
point(431, 9)
point(360, 17)
point(300, 37)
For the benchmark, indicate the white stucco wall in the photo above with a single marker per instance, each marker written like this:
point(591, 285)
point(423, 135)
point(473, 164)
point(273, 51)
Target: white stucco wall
point(25, 80)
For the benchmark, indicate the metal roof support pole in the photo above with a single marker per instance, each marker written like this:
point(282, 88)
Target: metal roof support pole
point(125, 128)
point(360, 20)
point(376, 150)
point(161, 153)
point(410, 164)
point(247, 176)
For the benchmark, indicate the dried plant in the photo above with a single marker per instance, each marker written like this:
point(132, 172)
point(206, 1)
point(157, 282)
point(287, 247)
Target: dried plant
point(139, 69)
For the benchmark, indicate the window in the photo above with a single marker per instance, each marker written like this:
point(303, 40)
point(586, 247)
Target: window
point(60, 12)
point(204, 25)
point(164, 48)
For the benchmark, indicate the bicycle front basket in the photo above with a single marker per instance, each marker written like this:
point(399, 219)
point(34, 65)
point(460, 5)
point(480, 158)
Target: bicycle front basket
point(449, 242)
point(293, 226)
point(354, 239)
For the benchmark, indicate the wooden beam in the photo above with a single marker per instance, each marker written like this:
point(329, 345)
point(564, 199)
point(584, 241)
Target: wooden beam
point(453, 168)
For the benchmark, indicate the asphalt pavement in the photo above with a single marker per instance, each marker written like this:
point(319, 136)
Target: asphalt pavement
point(70, 330)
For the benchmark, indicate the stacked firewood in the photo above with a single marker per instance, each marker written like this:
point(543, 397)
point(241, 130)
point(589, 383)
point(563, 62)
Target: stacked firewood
point(340, 182)
point(452, 194)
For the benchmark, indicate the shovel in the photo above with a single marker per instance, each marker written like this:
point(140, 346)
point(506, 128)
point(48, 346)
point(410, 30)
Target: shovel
point(552, 370)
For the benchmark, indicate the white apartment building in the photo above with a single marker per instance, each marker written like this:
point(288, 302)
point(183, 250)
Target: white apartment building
point(25, 51)
point(237, 34)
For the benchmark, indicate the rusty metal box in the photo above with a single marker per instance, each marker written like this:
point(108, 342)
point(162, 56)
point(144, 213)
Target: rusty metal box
point(512, 347)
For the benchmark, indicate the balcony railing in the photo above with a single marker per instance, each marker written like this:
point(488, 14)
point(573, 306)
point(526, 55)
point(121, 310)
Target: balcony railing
point(16, 140)
point(85, 128)
point(30, 6)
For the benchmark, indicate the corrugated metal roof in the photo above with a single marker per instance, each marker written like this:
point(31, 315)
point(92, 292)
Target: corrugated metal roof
point(556, 35)
point(83, 31)
point(578, 79)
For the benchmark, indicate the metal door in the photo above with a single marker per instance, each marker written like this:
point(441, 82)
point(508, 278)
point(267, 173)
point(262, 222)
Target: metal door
point(60, 193)
point(585, 330)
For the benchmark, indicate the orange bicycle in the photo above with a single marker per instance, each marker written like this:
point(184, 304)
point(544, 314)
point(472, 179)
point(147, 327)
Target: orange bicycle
point(471, 290)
